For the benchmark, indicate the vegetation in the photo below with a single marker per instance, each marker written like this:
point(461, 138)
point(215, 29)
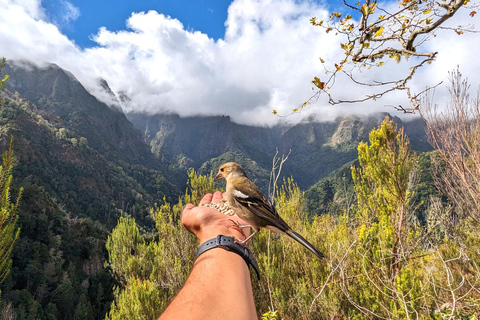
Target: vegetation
point(381, 262)
point(72, 195)
point(399, 228)
point(8, 230)
point(152, 268)
point(5, 78)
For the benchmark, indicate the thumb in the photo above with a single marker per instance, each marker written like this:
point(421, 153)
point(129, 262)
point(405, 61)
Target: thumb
point(187, 209)
point(189, 206)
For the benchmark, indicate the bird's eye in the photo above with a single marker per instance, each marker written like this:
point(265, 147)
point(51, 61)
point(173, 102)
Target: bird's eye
point(221, 169)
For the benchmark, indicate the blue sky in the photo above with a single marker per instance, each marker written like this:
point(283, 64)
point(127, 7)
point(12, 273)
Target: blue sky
point(241, 58)
point(207, 16)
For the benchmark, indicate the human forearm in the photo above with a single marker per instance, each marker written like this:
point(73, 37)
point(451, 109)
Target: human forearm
point(219, 284)
point(218, 287)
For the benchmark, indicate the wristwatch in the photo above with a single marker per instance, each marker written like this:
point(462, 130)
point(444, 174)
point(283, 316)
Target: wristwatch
point(229, 244)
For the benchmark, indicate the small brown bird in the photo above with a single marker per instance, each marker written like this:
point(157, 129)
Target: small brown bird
point(250, 205)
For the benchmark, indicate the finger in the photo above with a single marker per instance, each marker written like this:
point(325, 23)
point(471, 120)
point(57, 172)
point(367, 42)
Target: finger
point(217, 197)
point(206, 198)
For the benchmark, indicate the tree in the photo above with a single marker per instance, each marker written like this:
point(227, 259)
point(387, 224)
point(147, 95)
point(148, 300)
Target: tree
point(384, 32)
point(395, 270)
point(8, 231)
point(455, 132)
point(152, 267)
point(376, 265)
point(385, 238)
point(5, 78)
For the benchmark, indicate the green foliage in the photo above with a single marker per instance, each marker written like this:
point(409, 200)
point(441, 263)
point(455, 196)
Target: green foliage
point(140, 299)
point(376, 265)
point(382, 182)
point(8, 230)
point(80, 177)
point(5, 78)
point(391, 274)
point(334, 194)
point(57, 268)
point(152, 267)
point(270, 315)
point(291, 275)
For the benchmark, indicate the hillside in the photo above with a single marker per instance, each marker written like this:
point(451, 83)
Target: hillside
point(82, 165)
point(317, 148)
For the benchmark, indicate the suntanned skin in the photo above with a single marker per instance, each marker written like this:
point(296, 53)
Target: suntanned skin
point(219, 285)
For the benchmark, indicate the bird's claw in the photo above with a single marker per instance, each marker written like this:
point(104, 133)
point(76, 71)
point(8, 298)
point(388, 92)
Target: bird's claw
point(240, 226)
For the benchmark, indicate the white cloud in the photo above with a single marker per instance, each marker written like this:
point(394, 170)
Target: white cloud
point(266, 61)
point(69, 12)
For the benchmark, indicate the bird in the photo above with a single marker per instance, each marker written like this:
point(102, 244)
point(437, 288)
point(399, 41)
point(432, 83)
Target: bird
point(251, 205)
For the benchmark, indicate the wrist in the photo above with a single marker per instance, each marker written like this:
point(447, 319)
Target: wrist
point(208, 233)
point(228, 243)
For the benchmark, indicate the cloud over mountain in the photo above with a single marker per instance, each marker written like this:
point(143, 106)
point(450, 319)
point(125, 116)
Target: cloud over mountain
point(265, 61)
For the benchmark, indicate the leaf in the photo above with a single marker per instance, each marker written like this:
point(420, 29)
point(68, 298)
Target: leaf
point(427, 11)
point(428, 20)
point(473, 13)
point(338, 67)
point(365, 10)
point(321, 60)
point(314, 22)
point(379, 32)
point(337, 14)
point(328, 30)
point(381, 63)
point(381, 17)
point(366, 45)
point(319, 84)
point(274, 111)
point(459, 32)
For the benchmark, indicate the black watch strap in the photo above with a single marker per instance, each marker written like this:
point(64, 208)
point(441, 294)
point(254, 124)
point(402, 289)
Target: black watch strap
point(229, 244)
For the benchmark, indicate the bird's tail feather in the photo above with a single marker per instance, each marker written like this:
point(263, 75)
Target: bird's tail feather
point(305, 243)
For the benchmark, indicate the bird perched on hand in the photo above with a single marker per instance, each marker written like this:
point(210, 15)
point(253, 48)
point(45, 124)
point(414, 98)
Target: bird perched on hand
point(250, 205)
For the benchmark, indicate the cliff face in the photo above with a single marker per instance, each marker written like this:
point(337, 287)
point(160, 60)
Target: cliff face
point(57, 94)
point(316, 148)
point(83, 153)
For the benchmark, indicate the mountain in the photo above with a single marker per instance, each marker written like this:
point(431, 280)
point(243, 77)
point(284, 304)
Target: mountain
point(56, 93)
point(82, 151)
point(82, 164)
point(317, 148)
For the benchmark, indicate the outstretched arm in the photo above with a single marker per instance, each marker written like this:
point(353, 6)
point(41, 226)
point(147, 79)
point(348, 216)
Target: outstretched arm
point(219, 285)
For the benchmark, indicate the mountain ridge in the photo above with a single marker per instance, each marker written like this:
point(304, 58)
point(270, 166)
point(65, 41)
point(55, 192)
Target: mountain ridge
point(317, 148)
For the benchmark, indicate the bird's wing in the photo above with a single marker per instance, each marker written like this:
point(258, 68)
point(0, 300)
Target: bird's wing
point(248, 195)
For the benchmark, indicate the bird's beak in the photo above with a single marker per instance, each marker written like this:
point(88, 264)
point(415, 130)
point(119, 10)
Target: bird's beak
point(219, 176)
